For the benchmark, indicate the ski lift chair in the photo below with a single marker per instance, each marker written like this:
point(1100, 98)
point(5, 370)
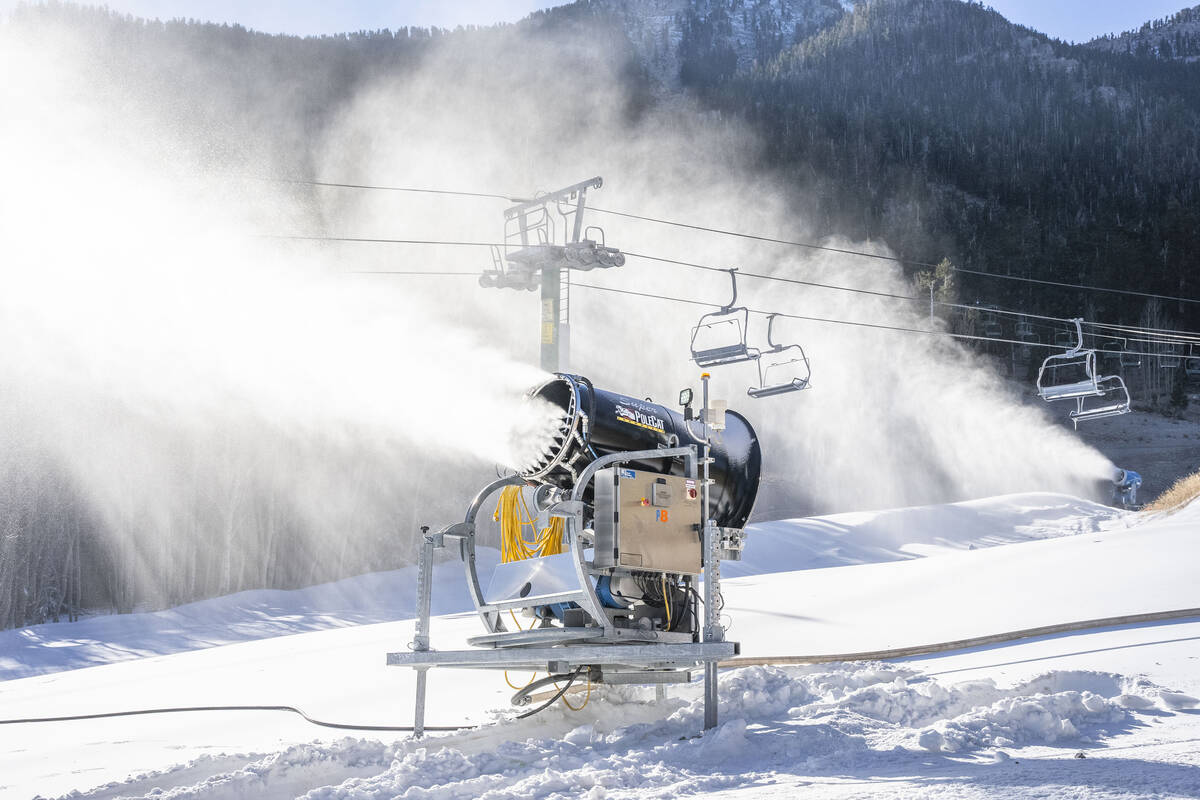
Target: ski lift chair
point(1024, 331)
point(990, 326)
point(1112, 402)
point(1111, 351)
point(1079, 367)
point(1170, 358)
point(1192, 367)
point(1130, 360)
point(765, 387)
point(719, 337)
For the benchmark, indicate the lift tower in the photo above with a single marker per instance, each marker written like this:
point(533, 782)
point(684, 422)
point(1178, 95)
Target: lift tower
point(545, 238)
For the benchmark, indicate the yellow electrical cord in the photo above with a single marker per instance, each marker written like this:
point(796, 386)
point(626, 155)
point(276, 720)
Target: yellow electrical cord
point(514, 517)
point(586, 698)
point(508, 680)
point(666, 600)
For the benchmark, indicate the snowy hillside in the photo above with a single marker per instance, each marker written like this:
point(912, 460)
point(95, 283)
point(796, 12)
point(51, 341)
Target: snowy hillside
point(663, 32)
point(1001, 721)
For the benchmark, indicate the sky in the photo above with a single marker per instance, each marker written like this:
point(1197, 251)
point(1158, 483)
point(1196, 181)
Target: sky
point(1071, 20)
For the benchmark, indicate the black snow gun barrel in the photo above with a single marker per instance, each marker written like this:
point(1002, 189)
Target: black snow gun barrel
point(596, 423)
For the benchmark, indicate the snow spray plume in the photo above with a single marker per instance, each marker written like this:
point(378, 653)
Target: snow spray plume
point(233, 412)
point(893, 418)
point(250, 410)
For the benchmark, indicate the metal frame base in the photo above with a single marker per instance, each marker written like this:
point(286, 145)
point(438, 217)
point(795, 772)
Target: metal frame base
point(656, 657)
point(630, 655)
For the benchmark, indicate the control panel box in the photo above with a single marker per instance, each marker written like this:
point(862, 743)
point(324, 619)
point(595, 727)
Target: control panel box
point(647, 521)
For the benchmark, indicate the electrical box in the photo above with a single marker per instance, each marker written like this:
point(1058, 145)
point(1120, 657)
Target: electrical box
point(647, 521)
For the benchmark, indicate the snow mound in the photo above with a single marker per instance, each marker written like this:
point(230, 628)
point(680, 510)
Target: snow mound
point(819, 719)
point(872, 537)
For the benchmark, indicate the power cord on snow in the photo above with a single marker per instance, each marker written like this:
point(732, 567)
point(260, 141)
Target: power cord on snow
point(878, 655)
point(557, 695)
point(186, 709)
point(290, 709)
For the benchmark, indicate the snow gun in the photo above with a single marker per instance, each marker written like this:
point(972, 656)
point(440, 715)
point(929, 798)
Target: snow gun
point(611, 539)
point(1126, 483)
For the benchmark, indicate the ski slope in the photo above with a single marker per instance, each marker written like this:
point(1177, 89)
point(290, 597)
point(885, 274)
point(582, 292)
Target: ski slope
point(1001, 721)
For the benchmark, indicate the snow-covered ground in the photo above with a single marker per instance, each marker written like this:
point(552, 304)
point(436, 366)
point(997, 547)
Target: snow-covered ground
point(1002, 721)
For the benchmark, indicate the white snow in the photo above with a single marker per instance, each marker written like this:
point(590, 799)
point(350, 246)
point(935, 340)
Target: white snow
point(1002, 721)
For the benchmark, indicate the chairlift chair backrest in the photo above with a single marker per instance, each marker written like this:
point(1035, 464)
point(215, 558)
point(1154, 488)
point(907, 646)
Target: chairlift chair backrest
point(1065, 339)
point(719, 337)
point(1080, 368)
point(797, 382)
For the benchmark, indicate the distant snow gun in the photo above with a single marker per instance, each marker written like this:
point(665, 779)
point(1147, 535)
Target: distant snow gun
point(1126, 483)
point(611, 541)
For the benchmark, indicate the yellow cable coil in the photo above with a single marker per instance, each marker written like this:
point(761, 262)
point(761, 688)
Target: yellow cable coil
point(514, 517)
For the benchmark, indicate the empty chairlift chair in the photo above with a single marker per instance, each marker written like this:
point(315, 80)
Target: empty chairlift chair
point(990, 325)
point(784, 360)
point(719, 337)
point(1023, 331)
point(1192, 365)
point(1072, 376)
point(1171, 356)
point(1130, 359)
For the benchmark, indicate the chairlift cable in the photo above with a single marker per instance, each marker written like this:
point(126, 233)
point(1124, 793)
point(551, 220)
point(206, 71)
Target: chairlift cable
point(411, 189)
point(832, 321)
point(438, 273)
point(761, 276)
point(1166, 334)
point(877, 256)
point(725, 232)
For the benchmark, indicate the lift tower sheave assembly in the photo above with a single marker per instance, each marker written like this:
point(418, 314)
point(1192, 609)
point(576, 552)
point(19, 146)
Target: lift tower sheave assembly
point(605, 536)
point(544, 239)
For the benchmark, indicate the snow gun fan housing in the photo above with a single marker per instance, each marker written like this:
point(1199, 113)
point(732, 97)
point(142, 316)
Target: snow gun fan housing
point(596, 423)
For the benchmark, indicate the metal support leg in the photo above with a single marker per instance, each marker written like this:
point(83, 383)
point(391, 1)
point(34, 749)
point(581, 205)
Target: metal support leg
point(420, 642)
point(710, 542)
point(419, 710)
point(712, 620)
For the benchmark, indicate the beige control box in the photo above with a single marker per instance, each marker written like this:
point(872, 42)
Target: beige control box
point(647, 521)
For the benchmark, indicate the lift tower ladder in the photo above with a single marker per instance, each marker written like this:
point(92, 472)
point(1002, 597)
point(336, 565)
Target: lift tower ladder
point(543, 238)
